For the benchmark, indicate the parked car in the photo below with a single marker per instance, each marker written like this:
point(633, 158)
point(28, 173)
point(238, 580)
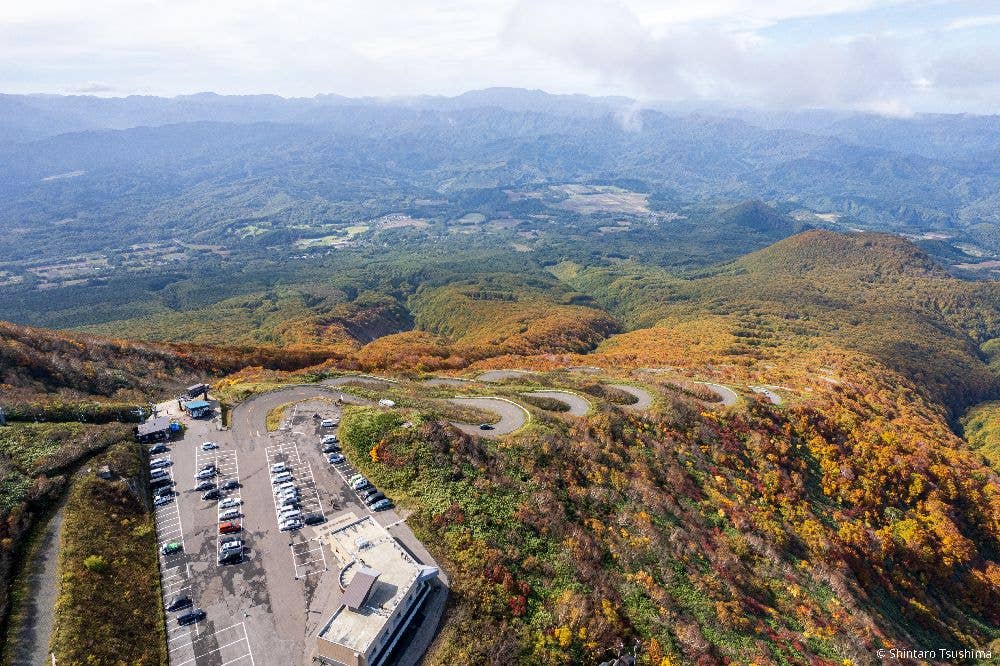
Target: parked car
point(179, 602)
point(356, 477)
point(382, 505)
point(485, 426)
point(205, 485)
point(284, 477)
point(313, 518)
point(230, 528)
point(230, 502)
point(230, 514)
point(212, 494)
point(231, 484)
point(158, 448)
point(287, 512)
point(290, 525)
point(208, 446)
point(208, 467)
point(374, 497)
point(288, 492)
point(278, 468)
point(327, 423)
point(205, 474)
point(232, 543)
point(159, 463)
point(368, 492)
point(159, 474)
point(171, 547)
point(162, 482)
point(360, 484)
point(331, 447)
point(329, 439)
point(160, 500)
point(291, 501)
point(197, 615)
point(335, 458)
point(164, 492)
point(231, 557)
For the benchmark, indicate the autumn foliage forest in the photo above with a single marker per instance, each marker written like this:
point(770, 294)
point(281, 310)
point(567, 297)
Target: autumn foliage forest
point(849, 517)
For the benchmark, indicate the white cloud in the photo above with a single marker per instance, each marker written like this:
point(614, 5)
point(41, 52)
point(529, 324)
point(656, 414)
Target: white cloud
point(653, 49)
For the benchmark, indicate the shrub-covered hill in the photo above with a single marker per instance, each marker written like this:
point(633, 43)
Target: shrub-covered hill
point(809, 535)
point(871, 293)
point(40, 364)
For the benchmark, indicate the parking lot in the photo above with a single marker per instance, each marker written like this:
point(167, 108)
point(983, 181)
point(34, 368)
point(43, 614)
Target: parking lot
point(267, 608)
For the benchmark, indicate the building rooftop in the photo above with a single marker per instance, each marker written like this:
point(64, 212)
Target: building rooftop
point(159, 424)
point(197, 404)
point(377, 574)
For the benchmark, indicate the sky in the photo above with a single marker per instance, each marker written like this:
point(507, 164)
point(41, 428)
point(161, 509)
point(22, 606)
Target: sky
point(894, 57)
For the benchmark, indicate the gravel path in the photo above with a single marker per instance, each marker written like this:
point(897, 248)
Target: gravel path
point(32, 641)
point(577, 405)
point(512, 416)
point(643, 398)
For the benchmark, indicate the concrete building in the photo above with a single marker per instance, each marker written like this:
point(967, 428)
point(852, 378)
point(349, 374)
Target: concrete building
point(383, 588)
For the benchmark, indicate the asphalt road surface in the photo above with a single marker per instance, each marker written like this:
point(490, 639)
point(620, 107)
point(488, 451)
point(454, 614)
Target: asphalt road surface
point(577, 405)
point(512, 416)
point(643, 398)
point(771, 396)
point(501, 375)
point(268, 608)
point(727, 395)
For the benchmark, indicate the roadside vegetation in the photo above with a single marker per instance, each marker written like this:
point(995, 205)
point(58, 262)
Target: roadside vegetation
point(36, 460)
point(108, 610)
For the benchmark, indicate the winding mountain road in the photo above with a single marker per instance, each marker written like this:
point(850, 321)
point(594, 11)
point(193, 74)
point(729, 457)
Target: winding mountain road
point(643, 398)
point(577, 405)
point(727, 395)
point(512, 416)
point(771, 396)
point(500, 375)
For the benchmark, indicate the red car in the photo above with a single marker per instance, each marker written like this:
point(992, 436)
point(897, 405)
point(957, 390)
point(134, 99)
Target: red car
point(229, 527)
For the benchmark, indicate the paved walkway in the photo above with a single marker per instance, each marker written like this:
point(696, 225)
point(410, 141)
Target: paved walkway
point(32, 640)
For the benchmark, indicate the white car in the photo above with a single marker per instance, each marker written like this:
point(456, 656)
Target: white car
point(208, 446)
point(385, 402)
point(278, 468)
point(278, 479)
point(360, 484)
point(230, 502)
point(291, 524)
point(327, 423)
point(329, 439)
point(231, 514)
point(235, 544)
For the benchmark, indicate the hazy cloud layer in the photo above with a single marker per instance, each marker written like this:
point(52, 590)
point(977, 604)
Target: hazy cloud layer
point(886, 55)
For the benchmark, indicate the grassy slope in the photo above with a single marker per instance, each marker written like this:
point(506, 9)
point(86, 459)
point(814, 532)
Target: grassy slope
point(818, 291)
point(108, 610)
